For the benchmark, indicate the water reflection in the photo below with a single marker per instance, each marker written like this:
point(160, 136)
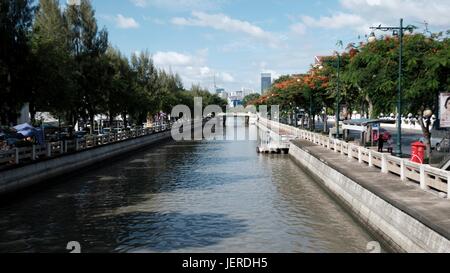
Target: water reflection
point(184, 197)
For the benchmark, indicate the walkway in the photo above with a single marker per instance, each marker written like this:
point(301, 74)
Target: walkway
point(427, 208)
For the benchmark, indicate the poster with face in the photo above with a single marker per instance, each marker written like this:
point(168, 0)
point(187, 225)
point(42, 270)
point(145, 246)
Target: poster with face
point(444, 107)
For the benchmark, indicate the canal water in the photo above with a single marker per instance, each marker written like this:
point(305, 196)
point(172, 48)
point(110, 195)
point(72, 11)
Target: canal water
point(210, 196)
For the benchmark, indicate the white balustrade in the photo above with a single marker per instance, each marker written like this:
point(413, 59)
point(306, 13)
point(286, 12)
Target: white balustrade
point(426, 176)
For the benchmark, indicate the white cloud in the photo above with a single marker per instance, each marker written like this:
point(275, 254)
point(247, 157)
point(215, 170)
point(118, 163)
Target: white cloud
point(172, 59)
point(225, 23)
point(226, 77)
point(359, 15)
point(192, 68)
point(435, 12)
point(340, 20)
point(180, 5)
point(126, 22)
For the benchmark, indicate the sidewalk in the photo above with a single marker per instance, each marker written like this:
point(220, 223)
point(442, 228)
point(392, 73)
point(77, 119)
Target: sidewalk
point(427, 208)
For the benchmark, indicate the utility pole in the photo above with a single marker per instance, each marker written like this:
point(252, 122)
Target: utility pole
point(400, 30)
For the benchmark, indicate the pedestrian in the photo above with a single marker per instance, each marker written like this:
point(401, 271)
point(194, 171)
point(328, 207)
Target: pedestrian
point(390, 143)
point(380, 142)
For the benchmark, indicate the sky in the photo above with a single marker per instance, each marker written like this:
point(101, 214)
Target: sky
point(234, 41)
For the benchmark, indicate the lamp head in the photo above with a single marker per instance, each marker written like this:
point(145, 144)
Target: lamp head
point(372, 38)
point(427, 113)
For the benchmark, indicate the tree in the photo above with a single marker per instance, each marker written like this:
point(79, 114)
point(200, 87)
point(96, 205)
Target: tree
point(15, 25)
point(52, 89)
point(88, 47)
point(426, 71)
point(147, 85)
point(250, 98)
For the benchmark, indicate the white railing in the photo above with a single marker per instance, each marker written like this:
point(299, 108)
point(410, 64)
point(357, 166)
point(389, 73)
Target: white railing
point(426, 176)
point(16, 156)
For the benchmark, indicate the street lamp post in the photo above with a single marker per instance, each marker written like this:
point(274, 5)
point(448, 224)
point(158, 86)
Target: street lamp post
point(311, 116)
point(338, 96)
point(401, 29)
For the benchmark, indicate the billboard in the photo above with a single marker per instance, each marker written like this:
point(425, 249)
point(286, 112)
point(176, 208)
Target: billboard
point(444, 110)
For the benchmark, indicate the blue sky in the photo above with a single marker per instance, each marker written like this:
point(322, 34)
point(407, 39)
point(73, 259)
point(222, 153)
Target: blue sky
point(236, 40)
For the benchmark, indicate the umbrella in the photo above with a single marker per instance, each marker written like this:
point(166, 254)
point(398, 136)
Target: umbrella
point(23, 126)
point(29, 132)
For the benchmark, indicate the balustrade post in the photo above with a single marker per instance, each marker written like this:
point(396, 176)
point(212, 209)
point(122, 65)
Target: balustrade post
point(33, 153)
point(342, 148)
point(65, 146)
point(61, 147)
point(16, 159)
point(335, 146)
point(360, 157)
point(448, 185)
point(370, 159)
point(49, 149)
point(384, 166)
point(350, 151)
point(77, 144)
point(402, 170)
point(423, 182)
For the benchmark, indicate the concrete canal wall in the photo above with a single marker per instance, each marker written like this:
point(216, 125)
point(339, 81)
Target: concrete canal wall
point(32, 174)
point(402, 216)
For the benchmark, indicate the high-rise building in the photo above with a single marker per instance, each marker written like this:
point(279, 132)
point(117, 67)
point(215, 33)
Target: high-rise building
point(266, 82)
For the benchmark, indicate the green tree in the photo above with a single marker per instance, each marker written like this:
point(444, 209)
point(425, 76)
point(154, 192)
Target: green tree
point(250, 98)
point(88, 46)
point(147, 85)
point(53, 64)
point(15, 26)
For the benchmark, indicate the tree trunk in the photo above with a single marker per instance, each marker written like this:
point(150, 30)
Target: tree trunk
point(426, 135)
point(92, 121)
point(111, 120)
point(370, 110)
point(125, 121)
point(32, 112)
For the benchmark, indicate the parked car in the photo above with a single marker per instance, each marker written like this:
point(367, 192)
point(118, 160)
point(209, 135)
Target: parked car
point(106, 131)
point(80, 134)
point(440, 140)
point(117, 130)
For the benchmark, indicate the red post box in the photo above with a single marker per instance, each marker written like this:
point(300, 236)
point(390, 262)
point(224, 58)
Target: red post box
point(418, 152)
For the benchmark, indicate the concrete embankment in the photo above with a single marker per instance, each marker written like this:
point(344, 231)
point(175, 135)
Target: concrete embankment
point(33, 174)
point(400, 215)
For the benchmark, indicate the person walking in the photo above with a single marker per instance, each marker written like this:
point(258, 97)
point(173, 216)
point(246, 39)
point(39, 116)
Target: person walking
point(390, 143)
point(380, 142)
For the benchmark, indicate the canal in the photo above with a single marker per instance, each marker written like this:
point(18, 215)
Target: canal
point(210, 196)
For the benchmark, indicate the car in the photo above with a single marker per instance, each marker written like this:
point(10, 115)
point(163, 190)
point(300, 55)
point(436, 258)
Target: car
point(80, 134)
point(440, 140)
point(444, 145)
point(117, 130)
point(106, 131)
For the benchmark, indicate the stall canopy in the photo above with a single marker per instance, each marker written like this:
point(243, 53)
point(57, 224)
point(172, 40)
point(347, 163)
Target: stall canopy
point(369, 128)
point(27, 130)
point(23, 127)
point(361, 125)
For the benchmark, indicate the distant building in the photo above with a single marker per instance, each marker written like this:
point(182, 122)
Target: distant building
point(221, 93)
point(247, 91)
point(235, 101)
point(266, 82)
